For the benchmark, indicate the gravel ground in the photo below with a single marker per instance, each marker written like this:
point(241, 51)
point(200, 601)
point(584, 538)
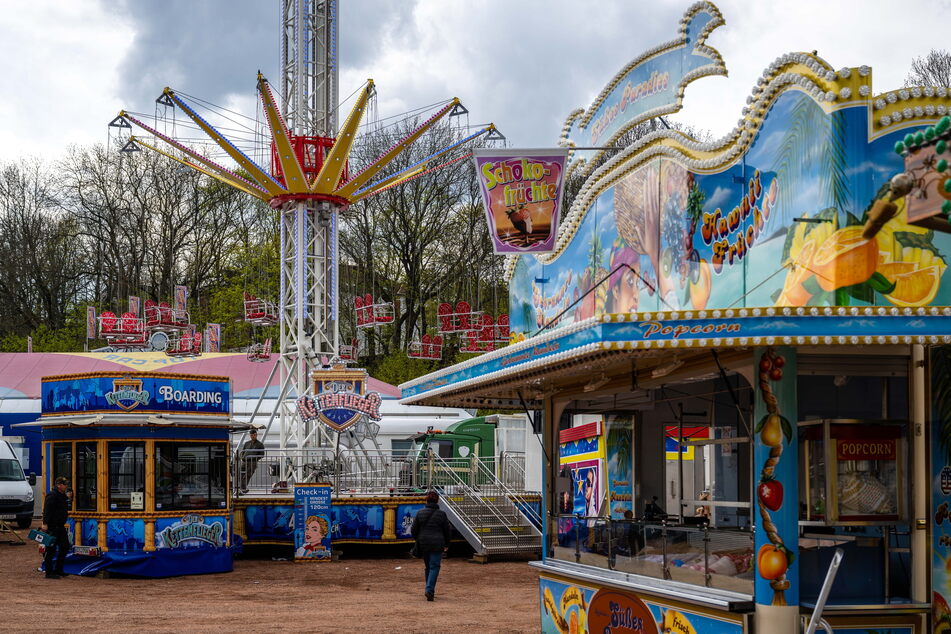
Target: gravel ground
point(362, 595)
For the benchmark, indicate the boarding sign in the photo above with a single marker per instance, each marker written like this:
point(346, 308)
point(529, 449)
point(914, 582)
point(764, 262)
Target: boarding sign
point(144, 393)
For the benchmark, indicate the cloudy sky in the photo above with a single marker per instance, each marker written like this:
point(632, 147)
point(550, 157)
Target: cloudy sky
point(71, 65)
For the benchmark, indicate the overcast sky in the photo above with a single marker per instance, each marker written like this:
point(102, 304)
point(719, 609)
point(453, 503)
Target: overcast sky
point(70, 65)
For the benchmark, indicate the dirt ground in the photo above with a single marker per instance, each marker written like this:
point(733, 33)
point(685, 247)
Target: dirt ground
point(361, 595)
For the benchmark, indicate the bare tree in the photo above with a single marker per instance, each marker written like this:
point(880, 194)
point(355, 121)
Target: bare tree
point(934, 69)
point(421, 241)
point(40, 258)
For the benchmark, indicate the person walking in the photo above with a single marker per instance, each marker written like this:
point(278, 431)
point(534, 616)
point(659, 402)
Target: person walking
point(431, 532)
point(251, 451)
point(55, 514)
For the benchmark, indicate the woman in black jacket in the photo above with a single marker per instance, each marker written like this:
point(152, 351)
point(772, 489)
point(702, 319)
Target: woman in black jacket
point(431, 532)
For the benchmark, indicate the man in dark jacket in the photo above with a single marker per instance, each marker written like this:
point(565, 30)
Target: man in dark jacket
point(251, 451)
point(431, 532)
point(55, 514)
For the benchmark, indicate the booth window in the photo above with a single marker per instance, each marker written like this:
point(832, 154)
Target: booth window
point(189, 476)
point(85, 486)
point(126, 473)
point(62, 462)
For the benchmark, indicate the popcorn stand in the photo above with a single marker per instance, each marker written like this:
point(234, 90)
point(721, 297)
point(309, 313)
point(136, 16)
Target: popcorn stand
point(738, 350)
point(147, 455)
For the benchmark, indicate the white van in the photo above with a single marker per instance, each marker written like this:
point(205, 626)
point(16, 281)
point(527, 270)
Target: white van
point(16, 493)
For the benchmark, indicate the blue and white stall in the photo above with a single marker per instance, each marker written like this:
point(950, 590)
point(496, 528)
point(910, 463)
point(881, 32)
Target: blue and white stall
point(148, 458)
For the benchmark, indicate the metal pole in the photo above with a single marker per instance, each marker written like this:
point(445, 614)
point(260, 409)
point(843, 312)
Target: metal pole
point(663, 534)
point(824, 591)
point(680, 460)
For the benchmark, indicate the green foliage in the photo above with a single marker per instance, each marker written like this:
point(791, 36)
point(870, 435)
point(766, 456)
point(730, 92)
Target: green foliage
point(396, 368)
point(44, 340)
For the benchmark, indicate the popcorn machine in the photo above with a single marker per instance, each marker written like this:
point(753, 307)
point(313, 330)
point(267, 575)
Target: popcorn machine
point(853, 472)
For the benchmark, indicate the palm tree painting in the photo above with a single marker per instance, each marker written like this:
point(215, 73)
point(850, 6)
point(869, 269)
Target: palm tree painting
point(941, 400)
point(812, 151)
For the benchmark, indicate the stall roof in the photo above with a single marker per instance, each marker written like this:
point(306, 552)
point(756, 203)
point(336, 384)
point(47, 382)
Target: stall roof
point(20, 372)
point(83, 420)
point(586, 354)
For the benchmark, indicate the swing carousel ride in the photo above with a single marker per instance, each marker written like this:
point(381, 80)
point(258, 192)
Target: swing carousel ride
point(309, 184)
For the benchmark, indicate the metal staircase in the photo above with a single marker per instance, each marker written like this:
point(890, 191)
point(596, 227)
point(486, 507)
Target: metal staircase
point(494, 517)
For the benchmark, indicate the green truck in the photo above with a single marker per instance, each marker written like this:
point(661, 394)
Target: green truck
point(475, 450)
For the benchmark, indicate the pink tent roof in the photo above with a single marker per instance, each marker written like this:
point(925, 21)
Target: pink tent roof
point(20, 373)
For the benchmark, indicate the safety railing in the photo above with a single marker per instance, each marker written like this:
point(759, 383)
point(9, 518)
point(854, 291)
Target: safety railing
point(699, 555)
point(495, 518)
point(372, 472)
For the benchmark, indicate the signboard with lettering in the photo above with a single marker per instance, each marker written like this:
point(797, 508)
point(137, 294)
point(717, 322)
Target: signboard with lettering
point(341, 399)
point(649, 86)
point(521, 191)
point(567, 606)
point(191, 531)
point(312, 523)
point(144, 393)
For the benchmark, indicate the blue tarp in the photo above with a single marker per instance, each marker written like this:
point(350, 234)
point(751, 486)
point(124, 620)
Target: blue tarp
point(165, 562)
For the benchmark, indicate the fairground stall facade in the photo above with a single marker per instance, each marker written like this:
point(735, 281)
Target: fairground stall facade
point(148, 457)
point(738, 348)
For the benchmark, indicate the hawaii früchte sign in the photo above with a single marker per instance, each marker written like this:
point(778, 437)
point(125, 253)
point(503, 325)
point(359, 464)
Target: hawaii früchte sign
point(340, 400)
point(146, 393)
point(521, 191)
point(747, 221)
point(649, 86)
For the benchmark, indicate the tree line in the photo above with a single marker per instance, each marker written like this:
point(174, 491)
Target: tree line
point(100, 225)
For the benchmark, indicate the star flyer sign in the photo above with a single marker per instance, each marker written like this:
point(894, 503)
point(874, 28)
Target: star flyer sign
point(521, 190)
point(341, 399)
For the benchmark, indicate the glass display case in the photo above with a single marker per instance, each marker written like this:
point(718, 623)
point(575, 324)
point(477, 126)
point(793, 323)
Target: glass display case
point(852, 471)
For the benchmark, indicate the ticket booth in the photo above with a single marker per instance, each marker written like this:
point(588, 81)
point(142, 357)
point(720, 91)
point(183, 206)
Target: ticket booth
point(147, 456)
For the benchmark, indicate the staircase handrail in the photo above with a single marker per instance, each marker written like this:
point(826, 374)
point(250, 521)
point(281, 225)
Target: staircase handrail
point(434, 461)
point(505, 490)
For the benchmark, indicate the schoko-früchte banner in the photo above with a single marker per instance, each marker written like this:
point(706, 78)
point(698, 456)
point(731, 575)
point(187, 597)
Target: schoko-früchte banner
point(522, 191)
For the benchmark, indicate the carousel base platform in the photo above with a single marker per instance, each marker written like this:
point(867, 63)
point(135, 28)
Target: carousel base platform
point(155, 564)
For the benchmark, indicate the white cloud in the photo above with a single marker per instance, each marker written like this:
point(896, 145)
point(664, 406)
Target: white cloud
point(69, 66)
point(60, 65)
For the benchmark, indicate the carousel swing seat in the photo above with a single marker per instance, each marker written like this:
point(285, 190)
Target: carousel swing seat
point(186, 344)
point(260, 352)
point(258, 311)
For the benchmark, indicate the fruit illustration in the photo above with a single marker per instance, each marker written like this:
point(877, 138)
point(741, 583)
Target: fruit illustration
point(916, 288)
point(845, 259)
point(521, 218)
point(793, 293)
point(771, 562)
point(772, 434)
point(942, 614)
point(773, 558)
point(701, 286)
point(770, 493)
